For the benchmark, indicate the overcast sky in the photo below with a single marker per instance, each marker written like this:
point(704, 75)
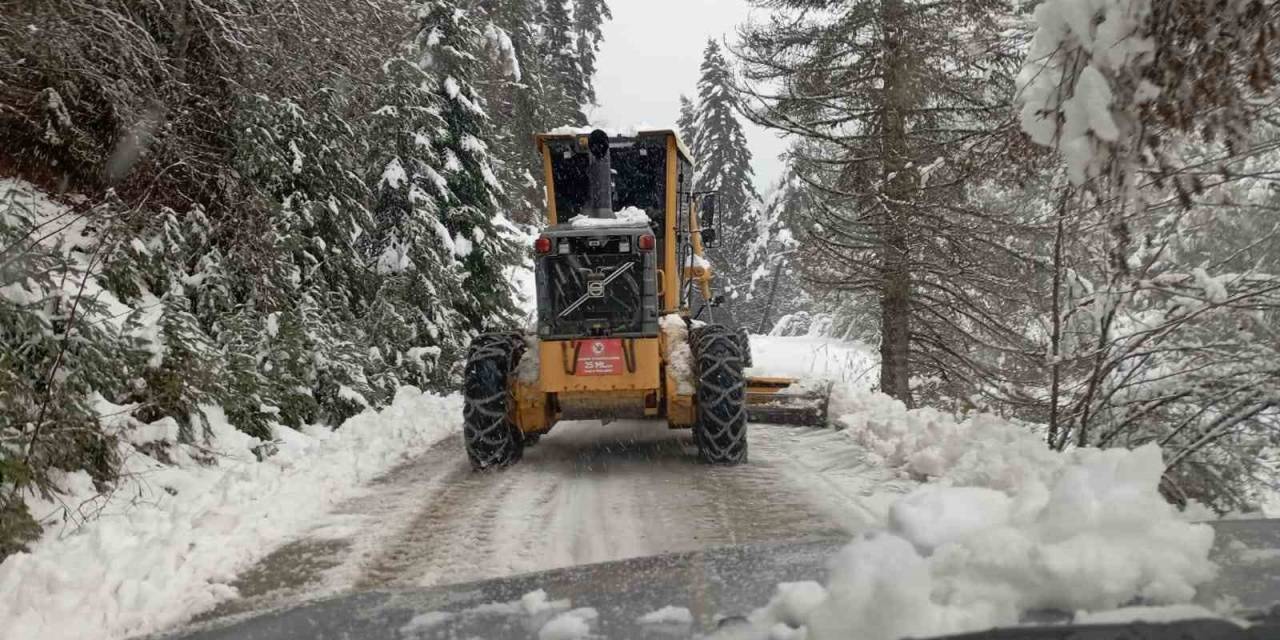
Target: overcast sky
point(650, 55)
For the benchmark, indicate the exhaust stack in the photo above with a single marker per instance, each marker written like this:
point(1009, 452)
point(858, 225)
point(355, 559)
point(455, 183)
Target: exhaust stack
point(600, 177)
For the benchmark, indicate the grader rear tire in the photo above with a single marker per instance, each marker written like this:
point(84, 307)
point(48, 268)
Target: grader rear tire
point(720, 430)
point(491, 439)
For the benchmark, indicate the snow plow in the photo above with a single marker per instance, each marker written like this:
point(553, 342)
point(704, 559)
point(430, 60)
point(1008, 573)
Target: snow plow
point(620, 271)
point(787, 401)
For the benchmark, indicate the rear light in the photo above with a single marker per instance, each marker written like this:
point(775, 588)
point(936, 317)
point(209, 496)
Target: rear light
point(542, 244)
point(645, 242)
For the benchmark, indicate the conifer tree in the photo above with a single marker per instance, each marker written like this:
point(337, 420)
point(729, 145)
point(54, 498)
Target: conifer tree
point(54, 353)
point(564, 83)
point(448, 45)
point(514, 96)
point(410, 249)
point(687, 123)
point(589, 17)
point(724, 166)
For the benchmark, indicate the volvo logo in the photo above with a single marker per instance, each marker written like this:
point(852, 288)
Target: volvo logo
point(595, 289)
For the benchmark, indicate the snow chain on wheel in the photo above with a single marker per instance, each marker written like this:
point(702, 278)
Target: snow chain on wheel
point(491, 439)
point(720, 430)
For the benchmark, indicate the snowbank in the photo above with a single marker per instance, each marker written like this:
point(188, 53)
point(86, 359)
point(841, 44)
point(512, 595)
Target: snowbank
point(569, 625)
point(165, 544)
point(813, 358)
point(1001, 526)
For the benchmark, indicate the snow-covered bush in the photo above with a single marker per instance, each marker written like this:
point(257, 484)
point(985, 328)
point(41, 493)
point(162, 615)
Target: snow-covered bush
point(1159, 330)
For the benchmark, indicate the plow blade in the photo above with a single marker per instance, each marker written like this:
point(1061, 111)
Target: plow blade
point(784, 401)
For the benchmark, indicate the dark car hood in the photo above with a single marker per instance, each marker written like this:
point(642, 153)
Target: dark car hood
point(719, 586)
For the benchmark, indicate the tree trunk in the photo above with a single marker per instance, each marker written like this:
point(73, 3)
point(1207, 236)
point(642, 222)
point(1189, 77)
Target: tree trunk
point(900, 187)
point(1055, 336)
point(773, 292)
point(895, 320)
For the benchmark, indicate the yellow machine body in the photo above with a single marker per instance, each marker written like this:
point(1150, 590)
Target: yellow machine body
point(647, 387)
point(649, 390)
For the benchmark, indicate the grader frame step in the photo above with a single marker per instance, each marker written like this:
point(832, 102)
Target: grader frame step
point(775, 400)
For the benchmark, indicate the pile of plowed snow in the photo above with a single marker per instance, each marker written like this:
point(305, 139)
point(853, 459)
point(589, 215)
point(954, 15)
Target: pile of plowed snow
point(1000, 526)
point(813, 358)
point(163, 546)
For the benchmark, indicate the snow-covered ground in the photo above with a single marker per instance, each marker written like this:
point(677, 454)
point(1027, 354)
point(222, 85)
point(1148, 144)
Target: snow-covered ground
point(809, 357)
point(164, 544)
point(956, 524)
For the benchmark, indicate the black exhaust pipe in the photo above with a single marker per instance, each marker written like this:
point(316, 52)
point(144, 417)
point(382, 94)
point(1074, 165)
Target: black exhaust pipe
point(600, 177)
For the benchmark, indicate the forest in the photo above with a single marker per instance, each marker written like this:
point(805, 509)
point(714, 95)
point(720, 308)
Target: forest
point(1064, 212)
point(288, 210)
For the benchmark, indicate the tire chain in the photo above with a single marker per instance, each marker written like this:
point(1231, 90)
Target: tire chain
point(491, 440)
point(721, 428)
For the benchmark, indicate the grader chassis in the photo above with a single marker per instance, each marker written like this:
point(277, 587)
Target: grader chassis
point(621, 280)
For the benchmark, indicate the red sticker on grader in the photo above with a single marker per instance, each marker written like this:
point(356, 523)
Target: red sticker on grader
point(599, 357)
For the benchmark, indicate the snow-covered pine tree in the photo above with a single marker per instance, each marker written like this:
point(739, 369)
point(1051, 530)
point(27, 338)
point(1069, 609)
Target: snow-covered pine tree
point(588, 18)
point(448, 44)
point(513, 94)
point(723, 164)
point(183, 366)
point(410, 250)
point(564, 84)
point(687, 122)
point(307, 162)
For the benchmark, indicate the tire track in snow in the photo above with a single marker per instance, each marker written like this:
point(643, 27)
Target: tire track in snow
point(837, 475)
point(586, 493)
point(447, 540)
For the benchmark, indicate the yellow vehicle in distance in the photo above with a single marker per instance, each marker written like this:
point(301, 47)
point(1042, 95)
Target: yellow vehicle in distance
point(619, 268)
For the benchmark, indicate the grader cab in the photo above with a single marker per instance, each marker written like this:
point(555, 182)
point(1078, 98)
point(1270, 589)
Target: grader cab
point(619, 268)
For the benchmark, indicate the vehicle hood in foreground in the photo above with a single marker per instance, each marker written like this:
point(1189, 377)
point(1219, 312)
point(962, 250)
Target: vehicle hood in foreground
point(719, 588)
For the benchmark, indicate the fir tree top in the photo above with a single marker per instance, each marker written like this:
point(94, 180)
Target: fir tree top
point(720, 146)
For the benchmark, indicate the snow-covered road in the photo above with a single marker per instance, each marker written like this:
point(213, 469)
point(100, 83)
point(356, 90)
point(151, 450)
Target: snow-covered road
point(586, 493)
point(954, 505)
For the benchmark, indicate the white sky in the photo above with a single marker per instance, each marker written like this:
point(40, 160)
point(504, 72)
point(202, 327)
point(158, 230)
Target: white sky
point(650, 55)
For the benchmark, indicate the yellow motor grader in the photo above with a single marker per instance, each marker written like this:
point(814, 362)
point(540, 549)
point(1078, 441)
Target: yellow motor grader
point(618, 269)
